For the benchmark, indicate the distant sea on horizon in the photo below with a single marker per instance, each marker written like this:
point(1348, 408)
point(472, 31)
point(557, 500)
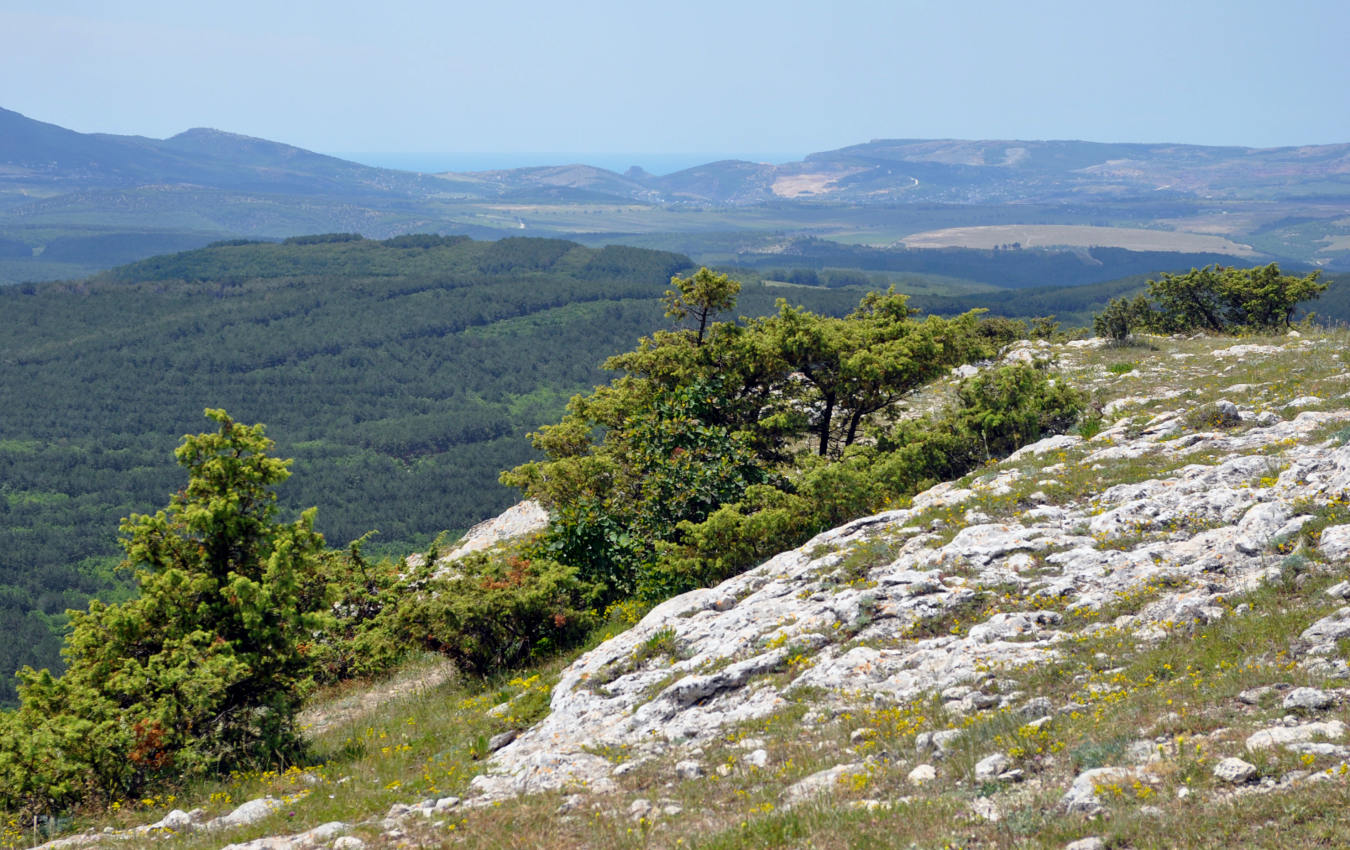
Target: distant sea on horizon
point(655, 163)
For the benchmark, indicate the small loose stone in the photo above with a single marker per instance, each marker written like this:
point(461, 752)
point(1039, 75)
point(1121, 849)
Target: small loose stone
point(1235, 770)
point(922, 775)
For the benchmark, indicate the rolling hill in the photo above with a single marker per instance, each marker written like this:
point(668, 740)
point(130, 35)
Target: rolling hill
point(72, 203)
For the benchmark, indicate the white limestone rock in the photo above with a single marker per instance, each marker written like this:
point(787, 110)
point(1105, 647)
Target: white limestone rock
point(1082, 794)
point(1235, 771)
point(547, 770)
point(1246, 351)
point(245, 814)
point(1283, 736)
point(1059, 442)
point(921, 775)
point(989, 767)
point(1324, 633)
point(1308, 699)
point(1261, 524)
point(1335, 542)
point(176, 820)
point(821, 783)
point(986, 809)
point(689, 770)
point(520, 520)
point(757, 758)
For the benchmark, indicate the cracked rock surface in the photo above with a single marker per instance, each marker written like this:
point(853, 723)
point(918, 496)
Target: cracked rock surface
point(850, 612)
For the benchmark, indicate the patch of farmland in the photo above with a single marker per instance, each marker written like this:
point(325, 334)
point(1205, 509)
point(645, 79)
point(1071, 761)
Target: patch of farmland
point(1076, 236)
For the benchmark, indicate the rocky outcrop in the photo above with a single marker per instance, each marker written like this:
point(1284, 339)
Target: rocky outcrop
point(516, 522)
point(871, 612)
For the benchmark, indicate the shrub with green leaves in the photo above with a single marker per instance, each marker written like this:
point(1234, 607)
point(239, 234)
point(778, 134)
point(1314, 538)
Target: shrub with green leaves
point(356, 641)
point(1122, 316)
point(205, 669)
point(492, 612)
point(1008, 407)
point(703, 420)
point(668, 461)
point(1207, 417)
point(1213, 299)
point(994, 413)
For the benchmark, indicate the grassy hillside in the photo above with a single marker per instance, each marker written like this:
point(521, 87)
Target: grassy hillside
point(402, 376)
point(1155, 654)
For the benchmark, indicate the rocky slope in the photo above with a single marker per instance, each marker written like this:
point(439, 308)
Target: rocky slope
point(1133, 636)
point(846, 617)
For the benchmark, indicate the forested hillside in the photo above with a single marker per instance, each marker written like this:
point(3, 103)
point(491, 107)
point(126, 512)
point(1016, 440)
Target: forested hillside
point(1011, 268)
point(1075, 306)
point(401, 376)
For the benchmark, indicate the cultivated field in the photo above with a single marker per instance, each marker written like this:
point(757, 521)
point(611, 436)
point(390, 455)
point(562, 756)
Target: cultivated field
point(1046, 235)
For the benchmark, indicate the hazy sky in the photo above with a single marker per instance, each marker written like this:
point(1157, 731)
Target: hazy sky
point(686, 76)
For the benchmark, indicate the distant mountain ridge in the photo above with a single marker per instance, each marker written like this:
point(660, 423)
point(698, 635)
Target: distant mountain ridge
point(121, 198)
point(35, 154)
point(882, 170)
point(953, 170)
point(898, 170)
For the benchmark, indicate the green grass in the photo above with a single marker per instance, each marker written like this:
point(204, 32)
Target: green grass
point(1172, 688)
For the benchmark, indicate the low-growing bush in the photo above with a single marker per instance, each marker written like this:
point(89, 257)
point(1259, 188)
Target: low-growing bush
point(1121, 317)
point(356, 642)
point(493, 612)
point(205, 669)
point(1220, 414)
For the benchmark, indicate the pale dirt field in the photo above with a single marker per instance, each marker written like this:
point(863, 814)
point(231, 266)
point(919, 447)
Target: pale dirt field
point(796, 185)
point(1045, 235)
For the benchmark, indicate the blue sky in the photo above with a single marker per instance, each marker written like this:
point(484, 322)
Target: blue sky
point(681, 77)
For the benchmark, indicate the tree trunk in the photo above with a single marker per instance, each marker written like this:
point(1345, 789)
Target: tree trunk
point(825, 424)
point(853, 422)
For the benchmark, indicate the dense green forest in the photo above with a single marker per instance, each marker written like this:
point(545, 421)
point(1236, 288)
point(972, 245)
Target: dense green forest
point(1334, 305)
point(1011, 268)
point(1075, 306)
point(401, 375)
